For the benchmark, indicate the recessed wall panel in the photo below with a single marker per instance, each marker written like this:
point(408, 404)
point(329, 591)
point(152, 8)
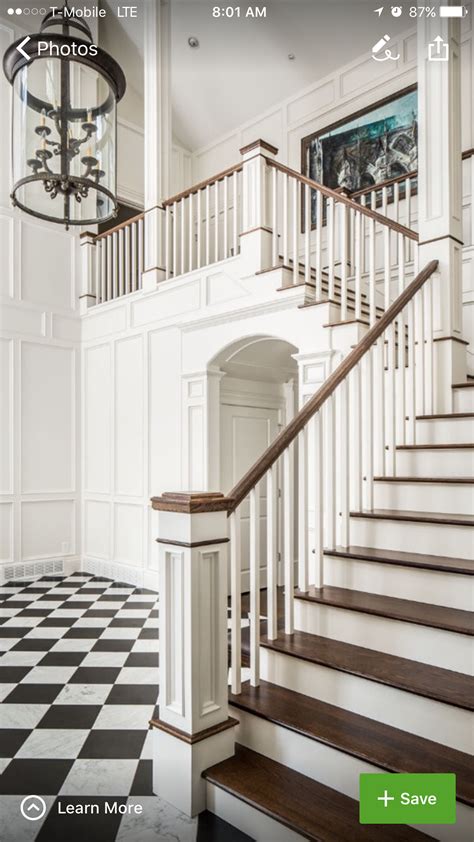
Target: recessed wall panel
point(129, 417)
point(47, 418)
point(6, 419)
point(128, 534)
point(47, 529)
point(97, 529)
point(43, 280)
point(97, 419)
point(6, 532)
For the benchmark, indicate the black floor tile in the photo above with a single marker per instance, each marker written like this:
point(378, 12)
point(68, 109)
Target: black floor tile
point(11, 739)
point(145, 606)
point(84, 632)
point(101, 612)
point(148, 634)
point(128, 622)
point(88, 591)
point(34, 644)
point(116, 745)
point(211, 828)
point(144, 591)
point(52, 578)
point(59, 598)
point(30, 777)
point(33, 694)
point(122, 585)
point(58, 622)
point(14, 631)
point(111, 597)
point(68, 584)
point(13, 675)
point(142, 659)
point(143, 780)
point(62, 659)
point(113, 645)
point(93, 826)
point(95, 675)
point(18, 583)
point(16, 603)
point(35, 612)
point(133, 694)
point(70, 716)
point(78, 605)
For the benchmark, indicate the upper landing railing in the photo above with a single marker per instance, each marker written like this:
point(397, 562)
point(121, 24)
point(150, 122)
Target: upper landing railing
point(354, 250)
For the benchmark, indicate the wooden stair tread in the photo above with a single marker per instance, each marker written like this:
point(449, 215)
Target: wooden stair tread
point(445, 415)
point(449, 446)
point(442, 685)
point(468, 385)
point(444, 564)
point(436, 480)
point(408, 611)
point(298, 802)
point(383, 745)
point(417, 517)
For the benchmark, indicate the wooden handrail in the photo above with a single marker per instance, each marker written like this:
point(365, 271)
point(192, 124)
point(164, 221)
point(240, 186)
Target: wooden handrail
point(119, 227)
point(339, 197)
point(290, 432)
point(202, 184)
point(390, 181)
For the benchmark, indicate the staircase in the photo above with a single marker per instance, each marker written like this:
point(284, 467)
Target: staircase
point(366, 666)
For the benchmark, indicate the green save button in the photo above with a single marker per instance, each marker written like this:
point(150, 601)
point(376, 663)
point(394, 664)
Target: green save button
point(407, 799)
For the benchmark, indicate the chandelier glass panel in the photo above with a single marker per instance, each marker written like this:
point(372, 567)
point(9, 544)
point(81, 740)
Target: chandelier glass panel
point(64, 124)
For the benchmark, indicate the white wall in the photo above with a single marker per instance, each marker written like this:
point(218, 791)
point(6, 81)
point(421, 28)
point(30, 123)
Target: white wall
point(39, 378)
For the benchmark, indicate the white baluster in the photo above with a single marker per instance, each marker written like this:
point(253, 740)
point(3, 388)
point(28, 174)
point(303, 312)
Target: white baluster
point(182, 210)
point(285, 219)
point(274, 216)
point(421, 356)
point(236, 600)
point(167, 242)
point(472, 199)
point(342, 395)
point(98, 278)
point(226, 220)
point(288, 561)
point(141, 250)
point(208, 225)
point(303, 510)
point(294, 221)
point(191, 232)
point(317, 573)
point(198, 230)
point(356, 440)
point(379, 403)
point(175, 240)
point(330, 226)
point(121, 262)
point(216, 224)
point(319, 245)
point(427, 291)
point(367, 431)
point(272, 551)
point(307, 231)
point(372, 289)
point(343, 227)
point(408, 216)
point(358, 265)
point(236, 215)
point(115, 269)
point(391, 401)
point(411, 373)
point(255, 587)
point(109, 261)
point(330, 474)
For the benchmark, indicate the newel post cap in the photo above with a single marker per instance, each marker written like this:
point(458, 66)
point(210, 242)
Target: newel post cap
point(258, 147)
point(192, 502)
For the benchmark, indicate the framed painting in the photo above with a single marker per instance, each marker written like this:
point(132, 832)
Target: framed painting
point(367, 149)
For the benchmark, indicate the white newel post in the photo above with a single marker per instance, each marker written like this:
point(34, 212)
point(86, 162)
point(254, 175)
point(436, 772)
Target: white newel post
point(87, 297)
point(440, 193)
point(157, 154)
point(256, 235)
point(194, 730)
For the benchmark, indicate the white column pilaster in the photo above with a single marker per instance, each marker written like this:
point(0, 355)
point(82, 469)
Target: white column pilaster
point(88, 296)
point(194, 730)
point(440, 192)
point(256, 234)
point(201, 429)
point(157, 155)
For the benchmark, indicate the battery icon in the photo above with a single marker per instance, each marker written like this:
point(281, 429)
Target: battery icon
point(452, 11)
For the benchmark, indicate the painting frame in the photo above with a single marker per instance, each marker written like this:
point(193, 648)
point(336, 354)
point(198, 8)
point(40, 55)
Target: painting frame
point(309, 140)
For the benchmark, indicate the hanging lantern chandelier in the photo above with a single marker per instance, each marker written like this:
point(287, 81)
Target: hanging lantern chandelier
point(65, 95)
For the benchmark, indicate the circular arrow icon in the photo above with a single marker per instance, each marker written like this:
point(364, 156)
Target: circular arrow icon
point(33, 808)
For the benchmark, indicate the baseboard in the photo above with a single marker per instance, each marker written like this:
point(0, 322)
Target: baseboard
point(121, 572)
point(16, 571)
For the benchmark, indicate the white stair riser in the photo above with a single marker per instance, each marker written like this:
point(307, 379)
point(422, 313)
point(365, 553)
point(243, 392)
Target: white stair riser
point(407, 535)
point(445, 430)
point(463, 400)
point(435, 463)
point(247, 818)
point(428, 718)
point(408, 640)
point(431, 586)
point(424, 497)
point(325, 764)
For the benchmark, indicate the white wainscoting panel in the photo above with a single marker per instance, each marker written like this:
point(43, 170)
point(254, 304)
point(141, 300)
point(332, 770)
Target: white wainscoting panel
point(6, 532)
point(97, 419)
point(6, 416)
point(47, 529)
point(128, 534)
point(97, 518)
point(129, 416)
point(6, 256)
point(47, 418)
point(45, 280)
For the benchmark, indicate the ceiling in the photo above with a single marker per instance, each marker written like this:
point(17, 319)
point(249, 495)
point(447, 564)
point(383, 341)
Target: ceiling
point(241, 67)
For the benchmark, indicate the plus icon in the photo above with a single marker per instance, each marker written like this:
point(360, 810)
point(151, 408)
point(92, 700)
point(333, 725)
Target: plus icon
point(385, 798)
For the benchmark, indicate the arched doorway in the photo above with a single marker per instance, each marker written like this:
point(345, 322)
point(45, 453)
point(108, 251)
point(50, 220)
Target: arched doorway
point(258, 396)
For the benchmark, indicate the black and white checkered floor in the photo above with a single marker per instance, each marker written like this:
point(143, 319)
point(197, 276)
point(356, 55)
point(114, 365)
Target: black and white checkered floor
point(78, 686)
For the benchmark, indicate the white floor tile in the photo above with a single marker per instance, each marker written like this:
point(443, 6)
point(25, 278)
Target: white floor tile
point(47, 632)
point(49, 675)
point(72, 644)
point(13, 826)
point(105, 659)
point(118, 633)
point(67, 612)
point(7, 643)
point(51, 743)
point(5, 690)
point(138, 675)
point(124, 717)
point(83, 694)
point(146, 646)
point(92, 622)
point(158, 821)
point(100, 777)
point(23, 622)
point(21, 716)
point(21, 659)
